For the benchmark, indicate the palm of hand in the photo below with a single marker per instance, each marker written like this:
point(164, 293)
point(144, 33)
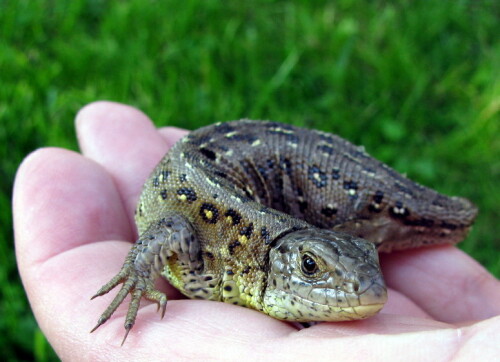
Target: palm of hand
point(73, 219)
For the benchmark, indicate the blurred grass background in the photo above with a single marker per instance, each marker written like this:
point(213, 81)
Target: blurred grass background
point(416, 82)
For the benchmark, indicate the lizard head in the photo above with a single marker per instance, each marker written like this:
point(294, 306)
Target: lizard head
point(321, 275)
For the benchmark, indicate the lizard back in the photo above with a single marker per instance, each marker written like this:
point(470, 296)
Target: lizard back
point(309, 175)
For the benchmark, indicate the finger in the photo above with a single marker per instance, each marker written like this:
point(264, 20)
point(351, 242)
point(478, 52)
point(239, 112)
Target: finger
point(400, 304)
point(445, 282)
point(172, 134)
point(61, 201)
point(62, 204)
point(124, 141)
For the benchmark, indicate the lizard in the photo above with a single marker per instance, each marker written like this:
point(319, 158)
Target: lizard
point(284, 220)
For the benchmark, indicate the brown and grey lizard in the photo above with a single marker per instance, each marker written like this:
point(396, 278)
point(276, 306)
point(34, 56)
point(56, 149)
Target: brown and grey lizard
point(278, 218)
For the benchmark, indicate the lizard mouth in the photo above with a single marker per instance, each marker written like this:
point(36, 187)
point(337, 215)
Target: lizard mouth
point(283, 305)
point(359, 312)
point(328, 313)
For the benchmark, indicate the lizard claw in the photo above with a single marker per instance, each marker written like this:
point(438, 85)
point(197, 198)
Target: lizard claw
point(136, 284)
point(100, 322)
point(159, 298)
point(127, 329)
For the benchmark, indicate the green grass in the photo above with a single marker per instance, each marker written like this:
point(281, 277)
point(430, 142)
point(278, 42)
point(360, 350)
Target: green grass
point(413, 81)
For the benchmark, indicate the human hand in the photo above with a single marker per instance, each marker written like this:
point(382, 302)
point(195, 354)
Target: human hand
point(73, 217)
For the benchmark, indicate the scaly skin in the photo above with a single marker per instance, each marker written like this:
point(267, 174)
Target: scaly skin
point(251, 213)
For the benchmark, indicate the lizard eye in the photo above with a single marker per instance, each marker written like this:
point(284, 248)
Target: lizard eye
point(309, 266)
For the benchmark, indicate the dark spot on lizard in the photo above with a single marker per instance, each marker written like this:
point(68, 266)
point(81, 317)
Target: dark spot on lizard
point(243, 198)
point(209, 213)
point(292, 138)
point(440, 201)
point(163, 194)
point(265, 235)
point(350, 185)
point(164, 222)
point(220, 174)
point(378, 197)
point(214, 180)
point(247, 230)
point(266, 210)
point(326, 149)
point(200, 140)
point(351, 188)
point(234, 216)
point(371, 171)
point(164, 174)
point(232, 246)
point(208, 153)
point(402, 188)
point(399, 211)
point(335, 173)
point(326, 138)
point(242, 137)
point(328, 211)
point(187, 193)
point(317, 176)
point(223, 128)
point(286, 165)
point(227, 288)
point(358, 154)
point(156, 182)
point(377, 201)
point(182, 177)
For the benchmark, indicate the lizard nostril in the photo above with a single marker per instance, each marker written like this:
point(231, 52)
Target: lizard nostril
point(355, 286)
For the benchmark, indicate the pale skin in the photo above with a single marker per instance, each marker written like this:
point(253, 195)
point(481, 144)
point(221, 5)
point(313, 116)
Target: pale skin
point(73, 216)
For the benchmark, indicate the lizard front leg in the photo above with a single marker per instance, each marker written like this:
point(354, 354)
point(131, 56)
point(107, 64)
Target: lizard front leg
point(168, 241)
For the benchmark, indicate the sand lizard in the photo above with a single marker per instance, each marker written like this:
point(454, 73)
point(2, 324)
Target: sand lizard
point(276, 218)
